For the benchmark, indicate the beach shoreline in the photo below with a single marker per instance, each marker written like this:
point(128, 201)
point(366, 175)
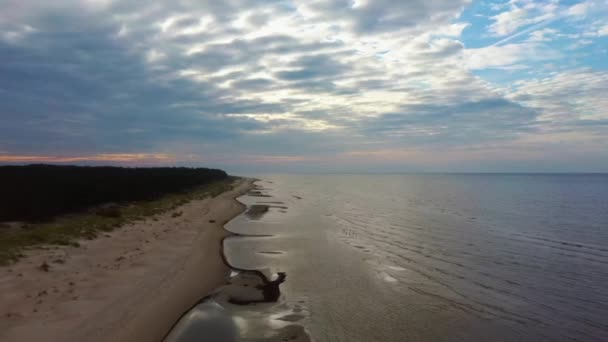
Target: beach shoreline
point(131, 284)
point(251, 305)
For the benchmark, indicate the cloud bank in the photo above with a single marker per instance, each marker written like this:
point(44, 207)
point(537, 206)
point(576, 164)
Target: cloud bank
point(306, 85)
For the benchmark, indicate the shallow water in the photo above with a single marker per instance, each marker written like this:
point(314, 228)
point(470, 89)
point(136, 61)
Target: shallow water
point(434, 257)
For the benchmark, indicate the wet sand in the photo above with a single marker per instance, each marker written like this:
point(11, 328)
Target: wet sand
point(250, 306)
point(127, 285)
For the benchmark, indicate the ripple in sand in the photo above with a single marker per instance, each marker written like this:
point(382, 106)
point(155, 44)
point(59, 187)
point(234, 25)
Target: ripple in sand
point(256, 211)
point(257, 193)
point(270, 252)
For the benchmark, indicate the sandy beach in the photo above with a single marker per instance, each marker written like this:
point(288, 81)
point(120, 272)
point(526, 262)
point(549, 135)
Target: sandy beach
point(131, 284)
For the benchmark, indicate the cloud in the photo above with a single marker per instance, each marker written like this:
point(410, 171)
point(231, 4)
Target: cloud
point(442, 48)
point(579, 10)
point(536, 16)
point(313, 67)
point(96, 88)
point(522, 13)
point(280, 80)
point(596, 30)
point(509, 21)
point(488, 119)
point(542, 35)
point(509, 56)
point(365, 17)
point(567, 99)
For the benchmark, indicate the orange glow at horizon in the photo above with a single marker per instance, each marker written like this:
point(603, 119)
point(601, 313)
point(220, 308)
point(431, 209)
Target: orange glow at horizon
point(109, 157)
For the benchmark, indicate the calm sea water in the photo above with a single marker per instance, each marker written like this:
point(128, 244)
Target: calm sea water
point(436, 257)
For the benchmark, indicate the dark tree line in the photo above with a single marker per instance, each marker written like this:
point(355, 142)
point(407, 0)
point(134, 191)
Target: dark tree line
point(39, 192)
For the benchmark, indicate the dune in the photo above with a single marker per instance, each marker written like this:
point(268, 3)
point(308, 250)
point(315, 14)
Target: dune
point(131, 284)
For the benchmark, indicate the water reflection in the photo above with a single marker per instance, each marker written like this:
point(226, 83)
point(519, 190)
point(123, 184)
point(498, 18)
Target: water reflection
point(250, 306)
point(207, 319)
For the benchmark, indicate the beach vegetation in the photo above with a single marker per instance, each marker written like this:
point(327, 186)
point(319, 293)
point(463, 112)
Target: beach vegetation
point(70, 221)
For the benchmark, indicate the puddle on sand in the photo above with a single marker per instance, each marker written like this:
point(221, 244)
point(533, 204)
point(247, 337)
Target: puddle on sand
point(208, 319)
point(258, 192)
point(258, 210)
point(249, 307)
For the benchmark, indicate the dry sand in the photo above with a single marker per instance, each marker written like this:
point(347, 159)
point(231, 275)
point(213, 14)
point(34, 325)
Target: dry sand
point(128, 285)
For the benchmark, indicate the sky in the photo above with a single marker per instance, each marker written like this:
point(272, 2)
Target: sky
point(307, 85)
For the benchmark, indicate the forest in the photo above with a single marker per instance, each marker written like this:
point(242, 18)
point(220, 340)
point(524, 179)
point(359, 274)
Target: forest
point(41, 192)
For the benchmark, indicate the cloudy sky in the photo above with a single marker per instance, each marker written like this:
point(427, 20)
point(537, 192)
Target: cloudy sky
point(307, 85)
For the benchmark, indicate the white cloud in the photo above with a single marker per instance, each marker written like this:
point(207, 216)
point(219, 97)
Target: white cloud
point(365, 17)
point(15, 35)
point(579, 10)
point(509, 56)
point(543, 35)
point(451, 30)
point(598, 28)
point(541, 15)
point(509, 21)
point(154, 56)
point(522, 13)
point(566, 97)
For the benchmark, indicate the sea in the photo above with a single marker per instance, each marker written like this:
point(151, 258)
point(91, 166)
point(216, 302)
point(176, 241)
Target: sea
point(431, 257)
